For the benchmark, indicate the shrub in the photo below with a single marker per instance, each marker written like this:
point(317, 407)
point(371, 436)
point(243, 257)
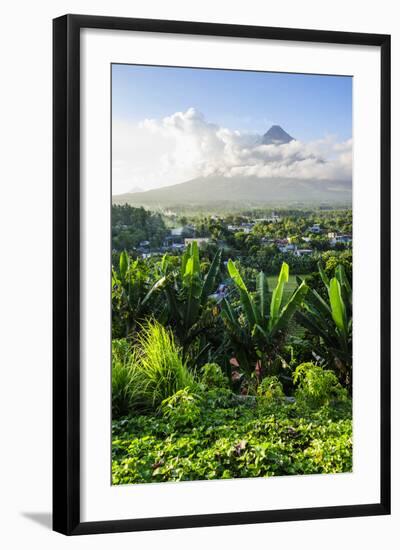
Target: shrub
point(271, 389)
point(213, 377)
point(317, 386)
point(214, 387)
point(182, 408)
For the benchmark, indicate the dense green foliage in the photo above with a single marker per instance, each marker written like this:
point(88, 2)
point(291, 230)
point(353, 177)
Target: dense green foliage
point(196, 438)
point(227, 368)
point(131, 226)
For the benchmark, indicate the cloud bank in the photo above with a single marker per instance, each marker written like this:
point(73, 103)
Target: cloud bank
point(177, 148)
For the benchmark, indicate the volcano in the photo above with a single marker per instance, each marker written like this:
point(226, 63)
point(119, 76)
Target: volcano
point(276, 136)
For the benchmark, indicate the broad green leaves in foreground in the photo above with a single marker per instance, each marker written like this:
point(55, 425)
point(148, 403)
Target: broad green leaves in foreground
point(187, 291)
point(238, 440)
point(255, 334)
point(331, 320)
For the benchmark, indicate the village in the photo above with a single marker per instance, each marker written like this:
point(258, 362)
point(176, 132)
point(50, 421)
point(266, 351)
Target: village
point(179, 238)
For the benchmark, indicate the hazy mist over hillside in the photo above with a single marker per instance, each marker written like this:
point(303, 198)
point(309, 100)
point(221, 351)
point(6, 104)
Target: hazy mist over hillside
point(273, 169)
point(216, 192)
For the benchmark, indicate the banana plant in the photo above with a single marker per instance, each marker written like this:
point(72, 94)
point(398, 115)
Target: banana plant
point(330, 320)
point(187, 291)
point(257, 327)
point(132, 292)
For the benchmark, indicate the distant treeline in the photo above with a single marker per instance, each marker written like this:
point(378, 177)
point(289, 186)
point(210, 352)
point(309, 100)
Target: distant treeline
point(257, 249)
point(131, 226)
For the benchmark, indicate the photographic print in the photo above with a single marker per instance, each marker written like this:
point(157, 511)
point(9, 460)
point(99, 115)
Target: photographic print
point(231, 274)
point(221, 214)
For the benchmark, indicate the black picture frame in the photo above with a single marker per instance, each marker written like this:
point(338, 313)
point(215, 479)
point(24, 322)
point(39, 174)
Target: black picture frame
point(66, 273)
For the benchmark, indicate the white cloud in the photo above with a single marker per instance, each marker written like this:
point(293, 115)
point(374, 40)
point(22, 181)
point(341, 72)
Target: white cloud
point(156, 153)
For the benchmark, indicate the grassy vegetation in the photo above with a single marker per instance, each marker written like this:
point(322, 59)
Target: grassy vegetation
point(147, 371)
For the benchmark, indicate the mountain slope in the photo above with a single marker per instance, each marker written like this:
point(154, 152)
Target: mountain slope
point(240, 192)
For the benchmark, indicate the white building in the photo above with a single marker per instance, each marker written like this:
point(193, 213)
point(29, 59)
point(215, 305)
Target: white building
point(201, 241)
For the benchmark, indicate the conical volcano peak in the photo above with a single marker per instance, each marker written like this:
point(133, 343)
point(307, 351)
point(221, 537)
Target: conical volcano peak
point(276, 136)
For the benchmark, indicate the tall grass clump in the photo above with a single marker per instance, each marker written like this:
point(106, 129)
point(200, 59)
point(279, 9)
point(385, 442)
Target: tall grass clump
point(147, 373)
point(158, 371)
point(123, 360)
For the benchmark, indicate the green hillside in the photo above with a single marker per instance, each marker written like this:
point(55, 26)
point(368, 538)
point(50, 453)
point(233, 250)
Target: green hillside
point(223, 192)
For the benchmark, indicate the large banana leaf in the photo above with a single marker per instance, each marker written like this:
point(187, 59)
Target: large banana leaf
point(164, 264)
point(159, 284)
point(245, 298)
point(114, 277)
point(337, 306)
point(209, 281)
point(341, 276)
point(123, 264)
point(192, 282)
point(194, 254)
point(236, 277)
point(185, 257)
point(290, 308)
point(277, 295)
point(175, 311)
point(323, 276)
point(263, 293)
point(319, 303)
point(228, 314)
point(310, 323)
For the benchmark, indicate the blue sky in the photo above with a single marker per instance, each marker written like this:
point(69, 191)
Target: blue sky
point(170, 125)
point(307, 106)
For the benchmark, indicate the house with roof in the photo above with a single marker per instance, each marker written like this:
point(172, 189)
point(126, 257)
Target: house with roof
point(345, 239)
point(315, 229)
point(336, 238)
point(177, 236)
point(285, 248)
point(201, 241)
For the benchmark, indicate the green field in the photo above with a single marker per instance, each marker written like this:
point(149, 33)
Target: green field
point(290, 286)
